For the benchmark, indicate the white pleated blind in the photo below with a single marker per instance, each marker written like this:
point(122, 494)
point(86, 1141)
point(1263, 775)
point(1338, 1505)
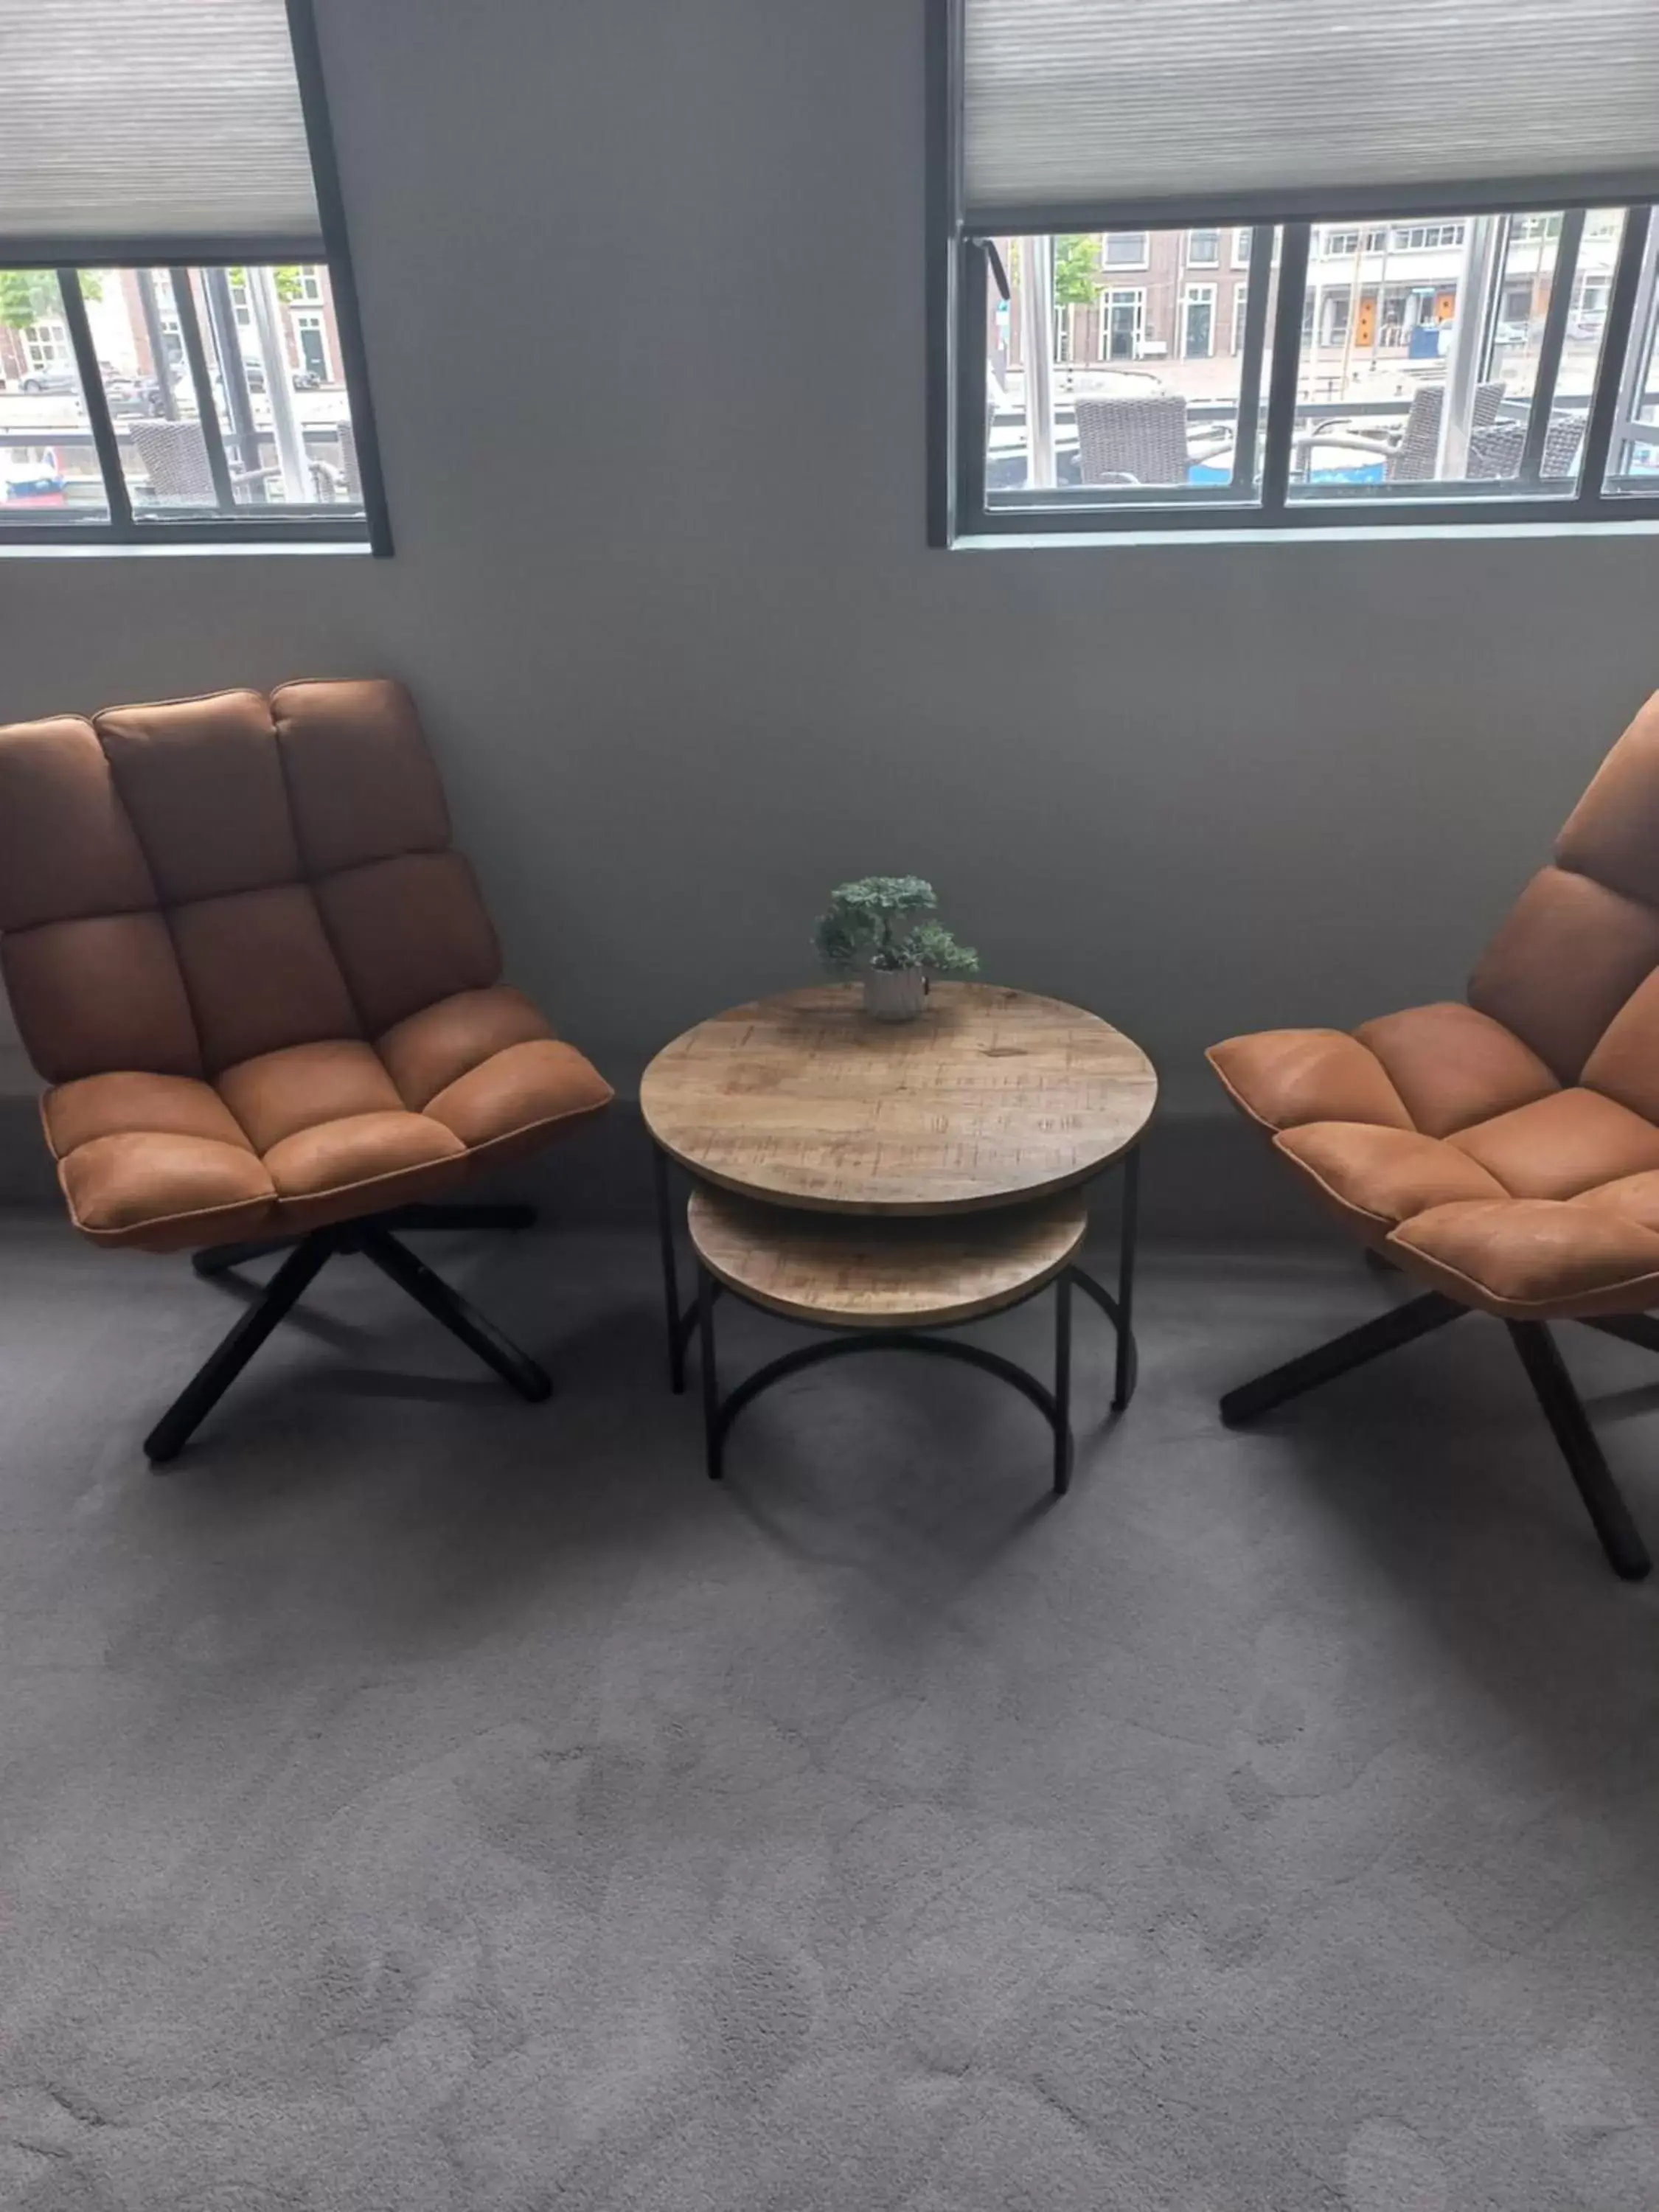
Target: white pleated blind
point(1078, 112)
point(147, 122)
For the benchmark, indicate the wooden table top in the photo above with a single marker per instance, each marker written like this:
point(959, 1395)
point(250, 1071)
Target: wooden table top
point(993, 1096)
point(840, 1270)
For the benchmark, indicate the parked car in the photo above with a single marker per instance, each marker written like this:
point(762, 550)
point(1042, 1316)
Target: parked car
point(302, 379)
point(131, 395)
point(49, 380)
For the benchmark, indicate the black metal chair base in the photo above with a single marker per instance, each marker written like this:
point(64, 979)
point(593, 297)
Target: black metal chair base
point(1546, 1371)
point(307, 1257)
point(220, 1259)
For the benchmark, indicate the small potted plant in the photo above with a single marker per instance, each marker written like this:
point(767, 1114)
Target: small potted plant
point(873, 928)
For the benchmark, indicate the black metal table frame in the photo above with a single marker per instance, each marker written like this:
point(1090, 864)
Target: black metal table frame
point(719, 1414)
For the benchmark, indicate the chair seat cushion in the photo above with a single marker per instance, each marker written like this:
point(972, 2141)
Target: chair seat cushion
point(1535, 1259)
point(513, 1092)
point(1441, 1136)
point(435, 1047)
point(310, 1134)
point(167, 1192)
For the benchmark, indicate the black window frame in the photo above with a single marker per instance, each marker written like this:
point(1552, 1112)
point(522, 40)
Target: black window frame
point(962, 267)
point(228, 524)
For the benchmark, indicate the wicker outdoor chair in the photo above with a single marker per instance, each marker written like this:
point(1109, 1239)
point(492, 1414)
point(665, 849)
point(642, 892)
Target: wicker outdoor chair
point(1132, 442)
point(1496, 452)
point(1412, 457)
point(175, 457)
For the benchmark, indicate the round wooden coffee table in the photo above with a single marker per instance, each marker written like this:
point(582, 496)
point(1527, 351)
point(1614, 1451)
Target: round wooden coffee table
point(985, 1110)
point(994, 1095)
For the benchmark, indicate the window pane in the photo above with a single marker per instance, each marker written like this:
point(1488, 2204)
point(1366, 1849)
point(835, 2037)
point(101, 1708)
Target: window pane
point(288, 438)
point(1146, 367)
point(1388, 402)
point(49, 468)
point(1633, 456)
point(290, 448)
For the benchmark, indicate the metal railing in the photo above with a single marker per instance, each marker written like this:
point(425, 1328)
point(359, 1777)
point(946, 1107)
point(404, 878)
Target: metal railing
point(1310, 415)
point(323, 443)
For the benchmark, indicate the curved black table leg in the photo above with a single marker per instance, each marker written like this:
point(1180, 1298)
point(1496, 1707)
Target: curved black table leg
point(716, 1418)
point(1062, 1384)
point(1129, 1236)
point(719, 1413)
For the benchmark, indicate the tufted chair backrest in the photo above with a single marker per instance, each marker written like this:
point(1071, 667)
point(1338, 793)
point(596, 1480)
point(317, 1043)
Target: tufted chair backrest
point(1572, 969)
point(186, 886)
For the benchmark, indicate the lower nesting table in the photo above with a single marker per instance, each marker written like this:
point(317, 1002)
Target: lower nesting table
point(885, 1182)
point(882, 1285)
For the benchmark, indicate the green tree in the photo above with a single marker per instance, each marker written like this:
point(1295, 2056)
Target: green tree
point(1077, 271)
point(288, 284)
point(28, 296)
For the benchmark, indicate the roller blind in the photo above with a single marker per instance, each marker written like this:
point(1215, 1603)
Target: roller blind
point(1077, 112)
point(146, 130)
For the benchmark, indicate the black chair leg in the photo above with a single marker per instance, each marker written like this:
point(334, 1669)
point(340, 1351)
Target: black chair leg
point(1369, 1341)
point(1629, 1329)
point(1548, 1373)
point(199, 1396)
point(475, 1215)
point(220, 1259)
point(447, 1306)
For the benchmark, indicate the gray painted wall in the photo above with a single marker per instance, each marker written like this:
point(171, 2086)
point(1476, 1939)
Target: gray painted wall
point(698, 663)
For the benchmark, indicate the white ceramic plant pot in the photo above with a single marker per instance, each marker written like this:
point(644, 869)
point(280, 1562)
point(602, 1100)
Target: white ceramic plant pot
point(895, 994)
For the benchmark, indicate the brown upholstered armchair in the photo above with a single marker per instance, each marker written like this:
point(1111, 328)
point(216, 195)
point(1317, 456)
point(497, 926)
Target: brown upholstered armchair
point(266, 996)
point(1504, 1153)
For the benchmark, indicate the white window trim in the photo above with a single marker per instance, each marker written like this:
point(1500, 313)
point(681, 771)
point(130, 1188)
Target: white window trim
point(1117, 296)
point(1145, 260)
point(1214, 260)
point(1197, 295)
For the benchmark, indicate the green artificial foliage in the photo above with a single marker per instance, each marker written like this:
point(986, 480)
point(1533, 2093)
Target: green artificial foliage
point(872, 924)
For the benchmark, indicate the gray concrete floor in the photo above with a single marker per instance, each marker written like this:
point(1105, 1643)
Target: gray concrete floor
point(422, 1800)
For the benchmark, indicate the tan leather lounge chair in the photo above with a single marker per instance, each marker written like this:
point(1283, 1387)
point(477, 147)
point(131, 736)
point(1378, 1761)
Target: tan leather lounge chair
point(266, 996)
point(1504, 1153)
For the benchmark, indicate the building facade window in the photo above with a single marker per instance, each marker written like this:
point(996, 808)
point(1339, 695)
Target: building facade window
point(1124, 249)
point(164, 378)
point(1203, 249)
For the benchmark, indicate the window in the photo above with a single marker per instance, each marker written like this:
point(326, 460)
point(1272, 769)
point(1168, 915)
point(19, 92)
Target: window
point(1426, 237)
point(179, 354)
point(47, 351)
point(1197, 322)
point(1343, 245)
point(1416, 345)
